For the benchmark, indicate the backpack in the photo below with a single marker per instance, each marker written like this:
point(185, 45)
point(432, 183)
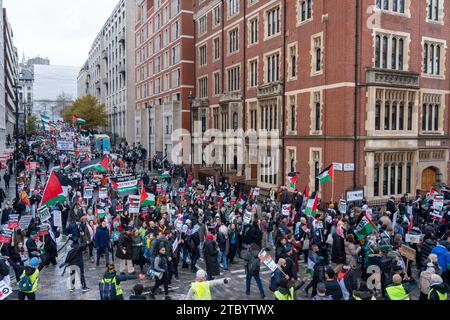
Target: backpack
point(107, 290)
point(25, 284)
point(254, 264)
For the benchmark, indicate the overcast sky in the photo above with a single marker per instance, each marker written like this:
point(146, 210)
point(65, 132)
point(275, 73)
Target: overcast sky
point(62, 30)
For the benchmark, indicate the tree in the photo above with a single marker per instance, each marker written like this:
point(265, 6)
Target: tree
point(89, 109)
point(31, 125)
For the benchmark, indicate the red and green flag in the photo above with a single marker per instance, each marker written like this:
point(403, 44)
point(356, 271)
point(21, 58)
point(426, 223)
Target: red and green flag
point(365, 226)
point(292, 179)
point(326, 175)
point(53, 191)
point(312, 205)
point(100, 165)
point(78, 121)
point(147, 200)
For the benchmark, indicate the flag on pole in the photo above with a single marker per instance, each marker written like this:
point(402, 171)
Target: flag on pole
point(365, 226)
point(306, 192)
point(53, 191)
point(313, 205)
point(96, 165)
point(78, 121)
point(147, 200)
point(292, 178)
point(240, 202)
point(25, 200)
point(326, 175)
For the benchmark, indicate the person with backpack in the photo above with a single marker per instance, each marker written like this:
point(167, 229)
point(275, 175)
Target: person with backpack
point(29, 278)
point(252, 269)
point(102, 242)
point(110, 284)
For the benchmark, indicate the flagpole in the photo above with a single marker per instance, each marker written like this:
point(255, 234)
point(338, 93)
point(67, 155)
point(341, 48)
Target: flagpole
point(332, 187)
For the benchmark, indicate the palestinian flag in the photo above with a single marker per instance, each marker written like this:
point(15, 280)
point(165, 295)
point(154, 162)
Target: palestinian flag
point(292, 179)
point(57, 168)
point(25, 200)
point(365, 226)
point(45, 119)
point(165, 175)
point(147, 200)
point(100, 165)
point(326, 175)
point(306, 192)
point(125, 186)
point(240, 202)
point(53, 191)
point(312, 205)
point(78, 121)
point(68, 167)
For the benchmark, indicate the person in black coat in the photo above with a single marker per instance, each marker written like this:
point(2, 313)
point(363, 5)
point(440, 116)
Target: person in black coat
point(290, 263)
point(331, 284)
point(124, 250)
point(210, 253)
point(256, 234)
point(75, 258)
point(338, 248)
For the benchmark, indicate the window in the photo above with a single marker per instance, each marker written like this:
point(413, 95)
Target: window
point(233, 7)
point(253, 31)
point(316, 115)
point(176, 78)
point(202, 55)
point(273, 21)
point(216, 16)
point(175, 30)
point(175, 7)
point(234, 81)
point(273, 68)
point(175, 54)
point(317, 120)
point(268, 170)
point(432, 55)
point(305, 10)
point(203, 87)
point(235, 121)
point(216, 45)
point(431, 109)
point(317, 54)
point(203, 118)
point(376, 184)
point(393, 44)
point(293, 114)
point(410, 115)
point(433, 9)
point(395, 173)
point(253, 73)
point(203, 25)
point(397, 6)
point(293, 61)
point(378, 115)
point(233, 40)
point(316, 174)
point(216, 83)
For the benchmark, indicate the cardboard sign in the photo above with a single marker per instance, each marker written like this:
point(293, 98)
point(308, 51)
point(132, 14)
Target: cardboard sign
point(43, 213)
point(342, 206)
point(5, 290)
point(103, 193)
point(265, 258)
point(438, 202)
point(408, 253)
point(286, 210)
point(87, 192)
point(25, 222)
point(413, 238)
point(13, 221)
point(247, 217)
point(44, 230)
point(6, 236)
point(57, 219)
point(182, 192)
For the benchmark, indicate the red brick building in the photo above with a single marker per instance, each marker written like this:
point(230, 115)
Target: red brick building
point(358, 83)
point(164, 67)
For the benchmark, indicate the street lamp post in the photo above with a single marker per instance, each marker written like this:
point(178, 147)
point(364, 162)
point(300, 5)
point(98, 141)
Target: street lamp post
point(191, 101)
point(149, 108)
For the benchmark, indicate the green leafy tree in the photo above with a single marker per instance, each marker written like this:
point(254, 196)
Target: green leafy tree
point(31, 125)
point(89, 109)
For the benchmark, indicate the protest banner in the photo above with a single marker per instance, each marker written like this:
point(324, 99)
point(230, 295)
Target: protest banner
point(25, 222)
point(65, 145)
point(43, 213)
point(134, 204)
point(103, 193)
point(408, 253)
point(44, 230)
point(438, 202)
point(57, 219)
point(5, 290)
point(13, 221)
point(256, 191)
point(265, 258)
point(247, 217)
point(286, 210)
point(119, 208)
point(6, 236)
point(436, 214)
point(88, 192)
point(342, 206)
point(413, 238)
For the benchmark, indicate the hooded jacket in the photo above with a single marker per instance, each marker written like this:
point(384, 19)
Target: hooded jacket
point(443, 257)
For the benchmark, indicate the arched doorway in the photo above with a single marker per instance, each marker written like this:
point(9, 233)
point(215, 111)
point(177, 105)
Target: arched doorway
point(429, 178)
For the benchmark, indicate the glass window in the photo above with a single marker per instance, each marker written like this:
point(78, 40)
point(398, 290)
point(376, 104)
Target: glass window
point(318, 116)
point(392, 191)
point(394, 54)
point(436, 118)
point(378, 115)
point(410, 114)
point(385, 179)
point(394, 116)
point(376, 175)
point(401, 116)
point(425, 58)
point(386, 115)
point(385, 52)
point(400, 179)
point(377, 51)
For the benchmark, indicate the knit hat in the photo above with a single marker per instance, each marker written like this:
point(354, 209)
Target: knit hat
point(34, 262)
point(209, 237)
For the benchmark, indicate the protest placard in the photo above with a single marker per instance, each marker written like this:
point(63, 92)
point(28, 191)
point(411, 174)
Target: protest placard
point(57, 219)
point(134, 204)
point(103, 193)
point(43, 213)
point(5, 290)
point(44, 230)
point(413, 238)
point(342, 206)
point(408, 253)
point(13, 221)
point(438, 202)
point(265, 258)
point(256, 191)
point(87, 192)
point(6, 236)
point(25, 222)
point(286, 210)
point(247, 217)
